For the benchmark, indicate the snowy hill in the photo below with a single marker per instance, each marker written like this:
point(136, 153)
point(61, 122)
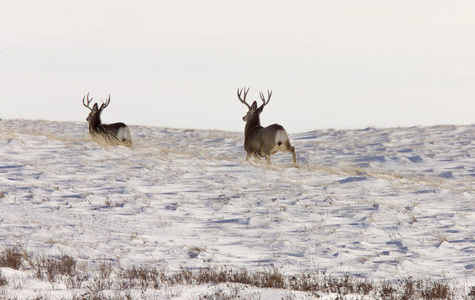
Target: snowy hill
point(373, 203)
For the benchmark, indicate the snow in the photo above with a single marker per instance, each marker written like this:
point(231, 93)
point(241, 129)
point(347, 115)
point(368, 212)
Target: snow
point(373, 203)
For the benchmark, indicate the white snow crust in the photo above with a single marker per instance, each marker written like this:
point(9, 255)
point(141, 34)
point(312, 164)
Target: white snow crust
point(373, 203)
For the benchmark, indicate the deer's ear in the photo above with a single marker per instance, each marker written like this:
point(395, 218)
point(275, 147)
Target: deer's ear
point(254, 105)
point(95, 107)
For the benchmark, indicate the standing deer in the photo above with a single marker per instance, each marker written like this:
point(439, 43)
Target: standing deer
point(113, 133)
point(263, 141)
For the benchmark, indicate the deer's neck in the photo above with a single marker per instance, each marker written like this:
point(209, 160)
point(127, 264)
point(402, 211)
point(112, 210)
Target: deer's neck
point(253, 122)
point(94, 123)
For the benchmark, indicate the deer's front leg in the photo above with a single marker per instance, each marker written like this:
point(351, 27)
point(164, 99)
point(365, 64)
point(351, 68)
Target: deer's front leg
point(268, 159)
point(248, 156)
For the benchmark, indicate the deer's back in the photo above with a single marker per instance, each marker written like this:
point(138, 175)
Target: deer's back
point(110, 128)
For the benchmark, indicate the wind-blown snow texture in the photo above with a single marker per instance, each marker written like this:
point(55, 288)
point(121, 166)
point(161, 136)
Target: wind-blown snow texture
point(375, 203)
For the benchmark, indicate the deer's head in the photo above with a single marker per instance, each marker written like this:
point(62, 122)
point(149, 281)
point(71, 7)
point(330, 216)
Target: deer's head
point(253, 110)
point(95, 111)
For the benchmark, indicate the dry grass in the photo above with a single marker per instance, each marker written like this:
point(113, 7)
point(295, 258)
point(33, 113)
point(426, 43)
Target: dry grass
point(109, 140)
point(14, 133)
point(11, 257)
point(104, 279)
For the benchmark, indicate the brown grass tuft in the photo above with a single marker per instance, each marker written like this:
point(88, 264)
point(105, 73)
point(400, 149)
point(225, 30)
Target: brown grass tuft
point(11, 257)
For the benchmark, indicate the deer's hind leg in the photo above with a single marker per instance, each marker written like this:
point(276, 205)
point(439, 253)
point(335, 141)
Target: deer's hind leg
point(288, 148)
point(294, 156)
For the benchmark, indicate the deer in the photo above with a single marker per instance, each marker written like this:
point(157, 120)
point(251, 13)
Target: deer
point(263, 141)
point(115, 133)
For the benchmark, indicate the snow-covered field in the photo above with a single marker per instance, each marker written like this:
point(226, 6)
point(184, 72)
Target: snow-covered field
point(374, 203)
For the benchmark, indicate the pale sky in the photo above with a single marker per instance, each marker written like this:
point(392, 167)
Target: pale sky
point(330, 64)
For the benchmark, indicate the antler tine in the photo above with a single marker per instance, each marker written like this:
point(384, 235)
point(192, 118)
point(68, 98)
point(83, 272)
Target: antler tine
point(269, 94)
point(108, 100)
point(239, 92)
point(88, 101)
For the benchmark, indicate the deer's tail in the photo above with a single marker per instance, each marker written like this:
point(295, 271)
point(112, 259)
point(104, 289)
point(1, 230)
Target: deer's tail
point(281, 137)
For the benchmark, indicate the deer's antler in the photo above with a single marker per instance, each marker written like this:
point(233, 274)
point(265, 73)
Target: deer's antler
point(239, 92)
point(105, 104)
point(88, 101)
point(269, 94)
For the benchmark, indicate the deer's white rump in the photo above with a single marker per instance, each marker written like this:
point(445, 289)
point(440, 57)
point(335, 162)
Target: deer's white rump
point(124, 134)
point(281, 137)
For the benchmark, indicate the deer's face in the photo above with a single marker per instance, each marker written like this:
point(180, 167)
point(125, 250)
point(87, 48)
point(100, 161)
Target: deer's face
point(251, 112)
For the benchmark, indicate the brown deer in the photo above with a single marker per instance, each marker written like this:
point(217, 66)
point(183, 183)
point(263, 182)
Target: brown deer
point(263, 141)
point(111, 133)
